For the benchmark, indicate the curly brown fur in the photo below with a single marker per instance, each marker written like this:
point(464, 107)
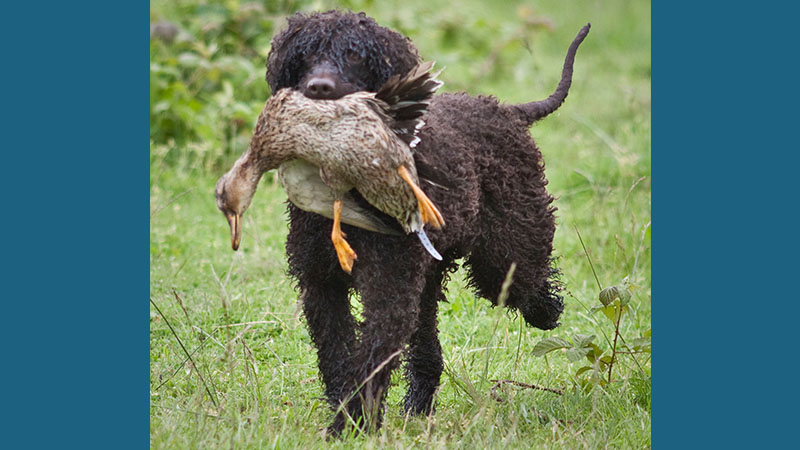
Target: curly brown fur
point(490, 186)
point(352, 47)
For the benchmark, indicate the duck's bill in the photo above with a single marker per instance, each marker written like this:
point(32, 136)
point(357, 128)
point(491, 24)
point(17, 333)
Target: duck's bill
point(235, 221)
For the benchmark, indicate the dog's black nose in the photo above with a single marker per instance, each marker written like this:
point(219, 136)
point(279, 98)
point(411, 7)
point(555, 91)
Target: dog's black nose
point(320, 88)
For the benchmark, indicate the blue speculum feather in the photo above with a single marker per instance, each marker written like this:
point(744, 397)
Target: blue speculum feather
point(427, 244)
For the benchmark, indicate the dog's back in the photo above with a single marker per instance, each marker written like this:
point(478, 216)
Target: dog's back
point(491, 186)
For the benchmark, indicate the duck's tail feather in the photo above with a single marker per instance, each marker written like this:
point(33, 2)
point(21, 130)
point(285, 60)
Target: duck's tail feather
point(403, 100)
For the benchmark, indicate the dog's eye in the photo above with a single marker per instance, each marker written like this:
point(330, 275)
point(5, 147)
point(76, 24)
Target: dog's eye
point(353, 57)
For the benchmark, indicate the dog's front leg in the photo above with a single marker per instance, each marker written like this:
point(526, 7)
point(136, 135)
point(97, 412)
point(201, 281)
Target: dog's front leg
point(390, 277)
point(324, 291)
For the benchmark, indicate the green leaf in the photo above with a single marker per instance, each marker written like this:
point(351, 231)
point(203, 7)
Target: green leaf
point(576, 354)
point(582, 340)
point(640, 344)
point(608, 295)
point(626, 291)
point(595, 352)
point(624, 297)
point(549, 344)
point(582, 370)
point(609, 311)
point(623, 292)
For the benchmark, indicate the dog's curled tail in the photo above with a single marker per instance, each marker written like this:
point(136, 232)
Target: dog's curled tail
point(533, 111)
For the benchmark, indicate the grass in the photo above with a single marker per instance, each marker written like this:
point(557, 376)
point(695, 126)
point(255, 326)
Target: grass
point(252, 380)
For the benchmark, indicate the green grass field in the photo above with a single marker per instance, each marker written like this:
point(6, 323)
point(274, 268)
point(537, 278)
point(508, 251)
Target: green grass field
point(250, 378)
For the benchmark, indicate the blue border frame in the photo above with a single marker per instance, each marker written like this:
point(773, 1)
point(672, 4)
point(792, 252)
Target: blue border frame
point(76, 223)
point(76, 209)
point(724, 163)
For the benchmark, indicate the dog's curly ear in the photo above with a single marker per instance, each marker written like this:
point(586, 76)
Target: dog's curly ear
point(285, 59)
point(389, 53)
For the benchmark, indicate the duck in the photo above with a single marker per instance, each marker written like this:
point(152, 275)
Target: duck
point(304, 188)
point(363, 141)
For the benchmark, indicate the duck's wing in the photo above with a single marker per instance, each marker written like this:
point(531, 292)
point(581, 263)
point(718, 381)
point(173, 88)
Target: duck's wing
point(305, 189)
point(403, 100)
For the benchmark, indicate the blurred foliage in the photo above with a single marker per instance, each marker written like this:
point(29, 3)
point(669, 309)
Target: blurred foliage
point(207, 61)
point(207, 72)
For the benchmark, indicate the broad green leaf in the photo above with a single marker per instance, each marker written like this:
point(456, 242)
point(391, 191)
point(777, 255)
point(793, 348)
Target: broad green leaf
point(582, 340)
point(608, 295)
point(596, 352)
point(576, 354)
point(611, 312)
point(623, 292)
point(625, 296)
point(549, 344)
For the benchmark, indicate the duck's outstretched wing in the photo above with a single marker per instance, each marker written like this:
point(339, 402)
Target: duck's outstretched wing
point(403, 100)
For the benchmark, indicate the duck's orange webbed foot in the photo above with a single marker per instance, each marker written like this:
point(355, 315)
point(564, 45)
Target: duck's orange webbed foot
point(430, 213)
point(344, 252)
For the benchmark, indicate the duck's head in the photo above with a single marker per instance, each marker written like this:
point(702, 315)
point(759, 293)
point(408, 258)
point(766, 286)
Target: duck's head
point(268, 148)
point(234, 193)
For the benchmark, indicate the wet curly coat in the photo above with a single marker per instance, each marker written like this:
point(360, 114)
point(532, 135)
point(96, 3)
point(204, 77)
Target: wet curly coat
point(489, 183)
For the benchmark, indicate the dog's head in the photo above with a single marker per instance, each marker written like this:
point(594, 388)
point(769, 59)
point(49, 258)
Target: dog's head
point(329, 55)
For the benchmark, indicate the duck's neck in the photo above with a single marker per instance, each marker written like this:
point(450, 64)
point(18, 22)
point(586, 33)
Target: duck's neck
point(243, 178)
point(248, 169)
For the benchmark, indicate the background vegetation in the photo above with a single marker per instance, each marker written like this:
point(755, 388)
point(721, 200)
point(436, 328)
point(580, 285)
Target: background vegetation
point(231, 362)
